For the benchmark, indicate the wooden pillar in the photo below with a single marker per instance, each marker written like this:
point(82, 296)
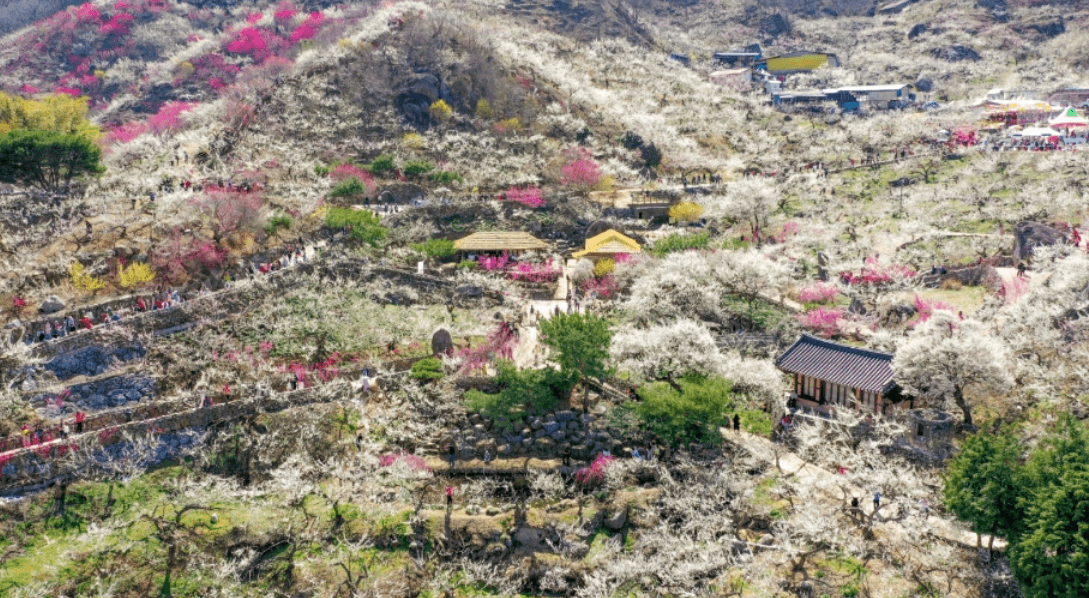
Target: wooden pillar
point(858, 399)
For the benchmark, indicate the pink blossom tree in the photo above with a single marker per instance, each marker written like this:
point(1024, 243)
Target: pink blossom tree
point(824, 321)
point(529, 196)
point(230, 212)
point(818, 292)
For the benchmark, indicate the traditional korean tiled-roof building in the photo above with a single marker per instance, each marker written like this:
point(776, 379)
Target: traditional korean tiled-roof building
point(828, 375)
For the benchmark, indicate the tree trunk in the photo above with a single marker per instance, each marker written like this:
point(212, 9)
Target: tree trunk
point(673, 383)
point(958, 397)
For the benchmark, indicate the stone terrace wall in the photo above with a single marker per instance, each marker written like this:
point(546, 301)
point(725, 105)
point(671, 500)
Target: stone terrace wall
point(30, 470)
point(541, 436)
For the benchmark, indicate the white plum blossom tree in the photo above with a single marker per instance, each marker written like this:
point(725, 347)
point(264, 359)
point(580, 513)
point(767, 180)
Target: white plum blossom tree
point(667, 351)
point(947, 356)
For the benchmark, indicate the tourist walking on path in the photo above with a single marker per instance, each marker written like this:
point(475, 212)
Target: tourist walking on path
point(737, 423)
point(451, 455)
point(876, 502)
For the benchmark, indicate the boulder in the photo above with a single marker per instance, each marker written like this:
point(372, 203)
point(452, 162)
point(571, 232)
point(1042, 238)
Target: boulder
point(52, 304)
point(774, 25)
point(1050, 29)
point(916, 31)
point(956, 53)
point(924, 85)
point(442, 343)
point(617, 519)
point(529, 537)
point(415, 97)
point(1030, 235)
point(469, 291)
point(401, 193)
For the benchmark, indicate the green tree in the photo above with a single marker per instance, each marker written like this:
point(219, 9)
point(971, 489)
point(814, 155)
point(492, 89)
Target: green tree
point(692, 415)
point(982, 486)
point(48, 159)
point(1052, 559)
point(1049, 552)
point(582, 342)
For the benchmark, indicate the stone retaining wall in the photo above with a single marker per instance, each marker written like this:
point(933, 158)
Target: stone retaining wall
point(27, 470)
point(544, 436)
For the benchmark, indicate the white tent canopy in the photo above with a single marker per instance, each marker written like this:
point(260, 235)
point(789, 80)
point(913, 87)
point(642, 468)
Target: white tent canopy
point(1068, 119)
point(1037, 132)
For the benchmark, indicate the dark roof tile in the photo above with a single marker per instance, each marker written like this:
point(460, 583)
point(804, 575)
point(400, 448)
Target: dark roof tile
point(841, 364)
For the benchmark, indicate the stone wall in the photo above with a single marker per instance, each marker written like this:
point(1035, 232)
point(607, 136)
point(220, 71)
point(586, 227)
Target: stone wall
point(107, 393)
point(92, 360)
point(543, 436)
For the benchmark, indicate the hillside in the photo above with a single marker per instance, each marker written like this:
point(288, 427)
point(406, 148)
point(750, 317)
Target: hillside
point(293, 372)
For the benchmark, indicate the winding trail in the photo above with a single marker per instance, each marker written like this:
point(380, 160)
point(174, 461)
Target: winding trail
point(791, 464)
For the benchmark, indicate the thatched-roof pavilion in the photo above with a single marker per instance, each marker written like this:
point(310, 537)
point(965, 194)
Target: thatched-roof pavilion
point(513, 242)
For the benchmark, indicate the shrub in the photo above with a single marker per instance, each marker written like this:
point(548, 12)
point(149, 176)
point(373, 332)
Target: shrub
point(468, 265)
point(483, 109)
point(349, 188)
point(603, 267)
point(524, 392)
point(510, 125)
point(606, 286)
point(418, 167)
point(136, 275)
point(540, 272)
point(631, 140)
point(594, 475)
point(363, 225)
point(441, 111)
point(652, 156)
point(435, 248)
point(686, 211)
point(412, 461)
point(83, 280)
point(231, 212)
point(818, 292)
point(530, 196)
point(182, 255)
point(444, 176)
point(383, 163)
point(427, 370)
point(277, 222)
point(678, 242)
point(413, 141)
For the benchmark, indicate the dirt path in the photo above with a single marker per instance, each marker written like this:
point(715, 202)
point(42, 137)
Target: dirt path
point(791, 464)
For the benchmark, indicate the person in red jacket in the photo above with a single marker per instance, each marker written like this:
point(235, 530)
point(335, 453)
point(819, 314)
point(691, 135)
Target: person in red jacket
point(140, 305)
point(86, 321)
